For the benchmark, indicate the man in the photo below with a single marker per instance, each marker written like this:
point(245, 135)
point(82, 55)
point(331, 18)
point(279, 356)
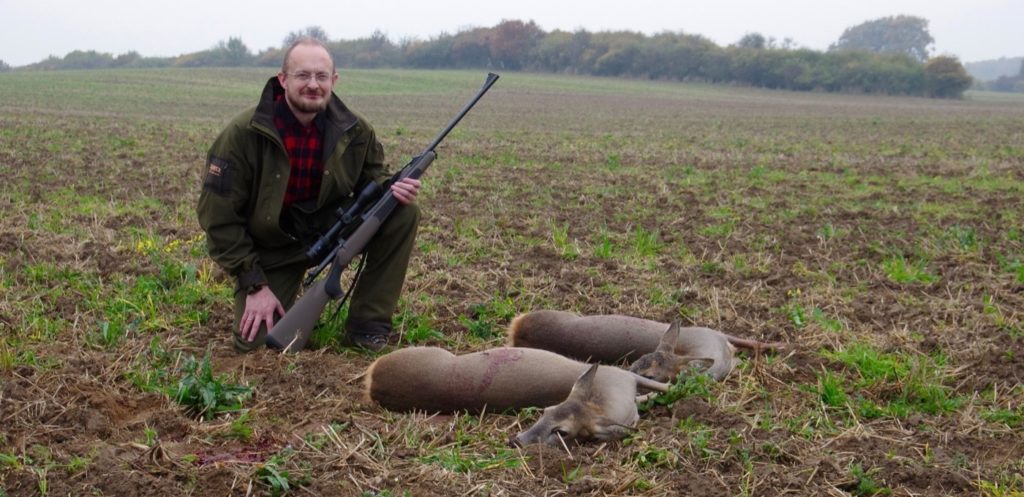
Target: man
point(275, 178)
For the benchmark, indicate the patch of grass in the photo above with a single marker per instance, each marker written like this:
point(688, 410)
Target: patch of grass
point(417, 329)
point(825, 321)
point(698, 437)
point(900, 270)
point(603, 246)
point(832, 390)
point(890, 384)
point(454, 459)
point(484, 321)
point(1012, 418)
point(1006, 486)
point(645, 243)
point(240, 428)
point(962, 238)
point(565, 247)
point(827, 232)
point(648, 456)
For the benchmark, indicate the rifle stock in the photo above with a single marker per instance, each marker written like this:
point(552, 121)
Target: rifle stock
point(293, 330)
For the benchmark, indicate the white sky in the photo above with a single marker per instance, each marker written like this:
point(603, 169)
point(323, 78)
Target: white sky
point(31, 30)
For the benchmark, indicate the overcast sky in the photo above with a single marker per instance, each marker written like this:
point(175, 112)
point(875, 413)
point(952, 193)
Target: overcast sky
point(35, 29)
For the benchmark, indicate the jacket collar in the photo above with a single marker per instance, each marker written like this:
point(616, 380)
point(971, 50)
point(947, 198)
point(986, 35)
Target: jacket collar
point(337, 118)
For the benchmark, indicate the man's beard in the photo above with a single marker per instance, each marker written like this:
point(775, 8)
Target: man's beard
point(306, 106)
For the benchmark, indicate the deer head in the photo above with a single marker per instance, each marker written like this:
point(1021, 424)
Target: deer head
point(582, 416)
point(664, 364)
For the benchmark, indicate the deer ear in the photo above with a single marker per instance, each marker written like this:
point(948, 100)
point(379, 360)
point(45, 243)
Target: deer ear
point(669, 339)
point(584, 386)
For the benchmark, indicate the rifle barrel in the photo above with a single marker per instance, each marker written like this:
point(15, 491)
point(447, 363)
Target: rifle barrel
point(491, 79)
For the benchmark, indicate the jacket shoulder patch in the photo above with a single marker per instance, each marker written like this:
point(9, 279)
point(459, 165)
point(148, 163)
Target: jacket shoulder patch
point(218, 175)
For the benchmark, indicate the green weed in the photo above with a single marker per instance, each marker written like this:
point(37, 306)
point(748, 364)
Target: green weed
point(898, 269)
point(603, 246)
point(698, 437)
point(645, 243)
point(689, 383)
point(825, 321)
point(1012, 418)
point(150, 436)
point(484, 320)
point(649, 457)
point(417, 329)
point(566, 248)
point(832, 390)
point(1006, 486)
point(827, 232)
point(78, 464)
point(240, 428)
point(613, 162)
point(864, 484)
point(204, 395)
point(571, 475)
point(277, 479)
point(963, 238)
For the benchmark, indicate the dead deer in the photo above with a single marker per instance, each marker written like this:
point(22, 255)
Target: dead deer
point(711, 353)
point(612, 339)
point(601, 399)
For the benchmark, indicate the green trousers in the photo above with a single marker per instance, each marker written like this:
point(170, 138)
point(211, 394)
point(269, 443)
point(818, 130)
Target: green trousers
point(375, 297)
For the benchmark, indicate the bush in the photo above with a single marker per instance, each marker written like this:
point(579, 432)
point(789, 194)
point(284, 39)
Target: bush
point(945, 77)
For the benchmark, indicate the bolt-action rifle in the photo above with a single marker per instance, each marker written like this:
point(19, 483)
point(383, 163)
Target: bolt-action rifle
point(347, 238)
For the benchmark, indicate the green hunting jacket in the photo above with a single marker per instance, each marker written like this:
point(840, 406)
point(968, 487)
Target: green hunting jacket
point(240, 206)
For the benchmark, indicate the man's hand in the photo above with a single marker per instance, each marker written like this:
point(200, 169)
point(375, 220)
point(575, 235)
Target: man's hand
point(405, 190)
point(259, 308)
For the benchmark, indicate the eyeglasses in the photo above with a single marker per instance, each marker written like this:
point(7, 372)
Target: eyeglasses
point(306, 77)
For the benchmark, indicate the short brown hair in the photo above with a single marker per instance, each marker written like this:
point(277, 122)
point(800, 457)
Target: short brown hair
point(305, 40)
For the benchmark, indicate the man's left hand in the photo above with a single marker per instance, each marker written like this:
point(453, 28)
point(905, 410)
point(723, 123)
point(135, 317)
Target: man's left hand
point(405, 190)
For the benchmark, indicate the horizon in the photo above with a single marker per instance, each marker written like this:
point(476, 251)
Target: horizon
point(986, 30)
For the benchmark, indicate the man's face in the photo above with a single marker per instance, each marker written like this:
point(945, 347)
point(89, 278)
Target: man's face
point(309, 80)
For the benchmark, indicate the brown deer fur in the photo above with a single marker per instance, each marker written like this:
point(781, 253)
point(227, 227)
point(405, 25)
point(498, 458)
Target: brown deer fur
point(434, 380)
point(613, 339)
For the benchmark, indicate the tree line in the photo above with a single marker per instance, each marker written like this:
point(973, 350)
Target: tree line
point(1006, 83)
point(885, 56)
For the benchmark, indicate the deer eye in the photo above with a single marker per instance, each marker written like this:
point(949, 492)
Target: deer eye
point(560, 432)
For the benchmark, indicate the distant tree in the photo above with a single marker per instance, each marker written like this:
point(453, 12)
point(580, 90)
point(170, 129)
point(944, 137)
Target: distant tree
point(945, 77)
point(472, 48)
point(374, 51)
point(311, 31)
point(752, 40)
point(3, 66)
point(90, 59)
point(127, 59)
point(269, 57)
point(906, 35)
point(234, 53)
point(430, 54)
point(673, 56)
point(512, 43)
